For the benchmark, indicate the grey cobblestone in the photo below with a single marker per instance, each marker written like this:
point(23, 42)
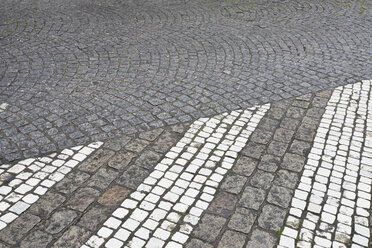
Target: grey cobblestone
point(47, 204)
point(209, 227)
point(252, 198)
point(232, 239)
point(261, 239)
point(81, 199)
point(36, 239)
point(223, 204)
point(272, 167)
point(234, 184)
point(95, 216)
point(76, 206)
point(262, 179)
point(16, 231)
point(279, 196)
point(72, 182)
point(59, 220)
point(242, 220)
point(74, 236)
point(271, 217)
point(196, 243)
point(245, 166)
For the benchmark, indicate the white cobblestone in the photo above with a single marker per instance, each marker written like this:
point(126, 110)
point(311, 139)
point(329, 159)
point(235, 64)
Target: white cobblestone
point(340, 175)
point(28, 185)
point(196, 171)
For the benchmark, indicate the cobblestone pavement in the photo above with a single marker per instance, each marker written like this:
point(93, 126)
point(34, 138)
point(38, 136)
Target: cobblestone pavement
point(73, 72)
point(292, 173)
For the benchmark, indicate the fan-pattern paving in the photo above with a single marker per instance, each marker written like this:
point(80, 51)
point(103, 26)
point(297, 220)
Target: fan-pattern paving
point(76, 71)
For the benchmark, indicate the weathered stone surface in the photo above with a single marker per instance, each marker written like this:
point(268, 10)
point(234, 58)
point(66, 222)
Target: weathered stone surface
point(253, 150)
point(268, 124)
point(301, 104)
point(261, 136)
point(74, 237)
point(70, 183)
point(233, 183)
point(242, 220)
point(113, 196)
point(261, 239)
point(276, 113)
point(261, 179)
point(132, 177)
point(245, 165)
point(36, 239)
point(148, 160)
point(102, 178)
point(315, 112)
point(271, 218)
point(279, 196)
point(196, 243)
point(223, 204)
point(293, 162)
point(286, 179)
point(136, 145)
point(290, 123)
point(269, 163)
point(59, 220)
point(16, 230)
point(179, 128)
point(277, 148)
point(121, 159)
point(231, 239)
point(283, 135)
point(209, 227)
point(82, 198)
point(59, 99)
point(151, 135)
point(295, 112)
point(305, 133)
point(44, 206)
point(300, 147)
point(116, 144)
point(165, 141)
point(95, 216)
point(252, 198)
point(98, 159)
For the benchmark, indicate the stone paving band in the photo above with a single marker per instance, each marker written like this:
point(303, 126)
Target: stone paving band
point(75, 71)
point(332, 204)
point(300, 168)
point(166, 206)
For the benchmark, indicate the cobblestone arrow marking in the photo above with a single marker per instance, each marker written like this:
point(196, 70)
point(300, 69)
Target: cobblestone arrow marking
point(22, 184)
point(167, 205)
point(331, 206)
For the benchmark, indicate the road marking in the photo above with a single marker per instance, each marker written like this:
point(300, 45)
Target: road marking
point(331, 206)
point(168, 204)
point(22, 184)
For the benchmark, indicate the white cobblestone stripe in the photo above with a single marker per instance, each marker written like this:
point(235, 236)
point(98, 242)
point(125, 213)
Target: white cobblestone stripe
point(168, 204)
point(22, 184)
point(331, 205)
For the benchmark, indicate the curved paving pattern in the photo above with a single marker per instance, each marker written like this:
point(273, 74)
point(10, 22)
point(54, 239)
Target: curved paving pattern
point(72, 72)
point(294, 173)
